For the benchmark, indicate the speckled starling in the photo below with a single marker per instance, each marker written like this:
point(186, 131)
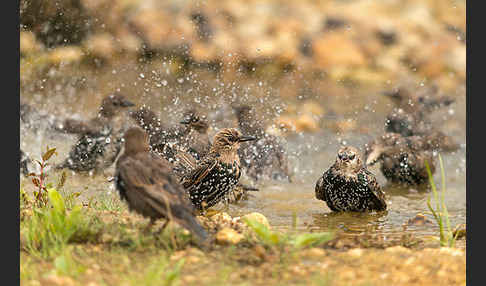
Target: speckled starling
point(266, 158)
point(348, 186)
point(402, 158)
point(217, 174)
point(99, 141)
point(146, 182)
point(186, 163)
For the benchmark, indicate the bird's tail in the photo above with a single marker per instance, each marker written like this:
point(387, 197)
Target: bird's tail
point(188, 221)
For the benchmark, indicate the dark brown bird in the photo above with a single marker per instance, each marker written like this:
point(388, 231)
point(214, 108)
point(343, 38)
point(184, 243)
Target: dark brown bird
point(266, 158)
point(402, 158)
point(99, 141)
point(217, 174)
point(348, 186)
point(146, 182)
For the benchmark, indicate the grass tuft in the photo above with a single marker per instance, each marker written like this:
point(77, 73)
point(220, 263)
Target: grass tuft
point(440, 212)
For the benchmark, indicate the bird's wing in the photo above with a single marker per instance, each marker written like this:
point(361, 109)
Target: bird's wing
point(75, 126)
point(375, 188)
point(153, 181)
point(200, 172)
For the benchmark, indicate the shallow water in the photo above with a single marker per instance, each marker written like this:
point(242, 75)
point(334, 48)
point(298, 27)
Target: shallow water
point(62, 94)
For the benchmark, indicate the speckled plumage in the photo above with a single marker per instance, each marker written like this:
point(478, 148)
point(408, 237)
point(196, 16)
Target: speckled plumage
point(146, 182)
point(402, 158)
point(217, 174)
point(265, 158)
point(100, 138)
point(348, 186)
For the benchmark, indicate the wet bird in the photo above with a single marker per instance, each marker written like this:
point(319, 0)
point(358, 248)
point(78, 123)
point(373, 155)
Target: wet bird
point(402, 158)
point(100, 138)
point(158, 132)
point(146, 182)
point(411, 114)
point(195, 139)
point(348, 186)
point(266, 158)
point(185, 163)
point(218, 173)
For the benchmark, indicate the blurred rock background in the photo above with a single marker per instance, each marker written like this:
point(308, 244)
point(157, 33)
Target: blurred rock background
point(310, 50)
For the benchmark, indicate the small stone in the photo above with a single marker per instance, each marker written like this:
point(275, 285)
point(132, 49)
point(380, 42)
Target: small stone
point(306, 123)
point(228, 236)
point(337, 49)
point(314, 253)
point(221, 218)
point(257, 217)
point(57, 280)
point(28, 43)
point(100, 45)
point(398, 249)
point(419, 219)
point(65, 55)
point(356, 252)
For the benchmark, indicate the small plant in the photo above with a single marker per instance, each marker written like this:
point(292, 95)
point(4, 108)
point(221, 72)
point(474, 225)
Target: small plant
point(39, 180)
point(274, 238)
point(65, 264)
point(51, 228)
point(440, 213)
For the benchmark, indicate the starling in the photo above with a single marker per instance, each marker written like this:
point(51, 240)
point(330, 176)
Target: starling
point(146, 182)
point(186, 163)
point(218, 173)
point(99, 141)
point(348, 186)
point(402, 158)
point(196, 139)
point(149, 121)
point(266, 158)
point(410, 116)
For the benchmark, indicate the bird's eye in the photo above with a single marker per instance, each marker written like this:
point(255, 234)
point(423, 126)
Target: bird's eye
point(351, 157)
point(340, 156)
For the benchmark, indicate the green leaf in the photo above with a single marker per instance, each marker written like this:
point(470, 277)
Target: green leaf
point(262, 231)
point(56, 201)
point(308, 239)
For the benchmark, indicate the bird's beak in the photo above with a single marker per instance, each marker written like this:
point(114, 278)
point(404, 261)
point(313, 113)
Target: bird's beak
point(373, 156)
point(246, 138)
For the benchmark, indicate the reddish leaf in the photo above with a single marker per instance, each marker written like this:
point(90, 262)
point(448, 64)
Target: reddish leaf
point(36, 182)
